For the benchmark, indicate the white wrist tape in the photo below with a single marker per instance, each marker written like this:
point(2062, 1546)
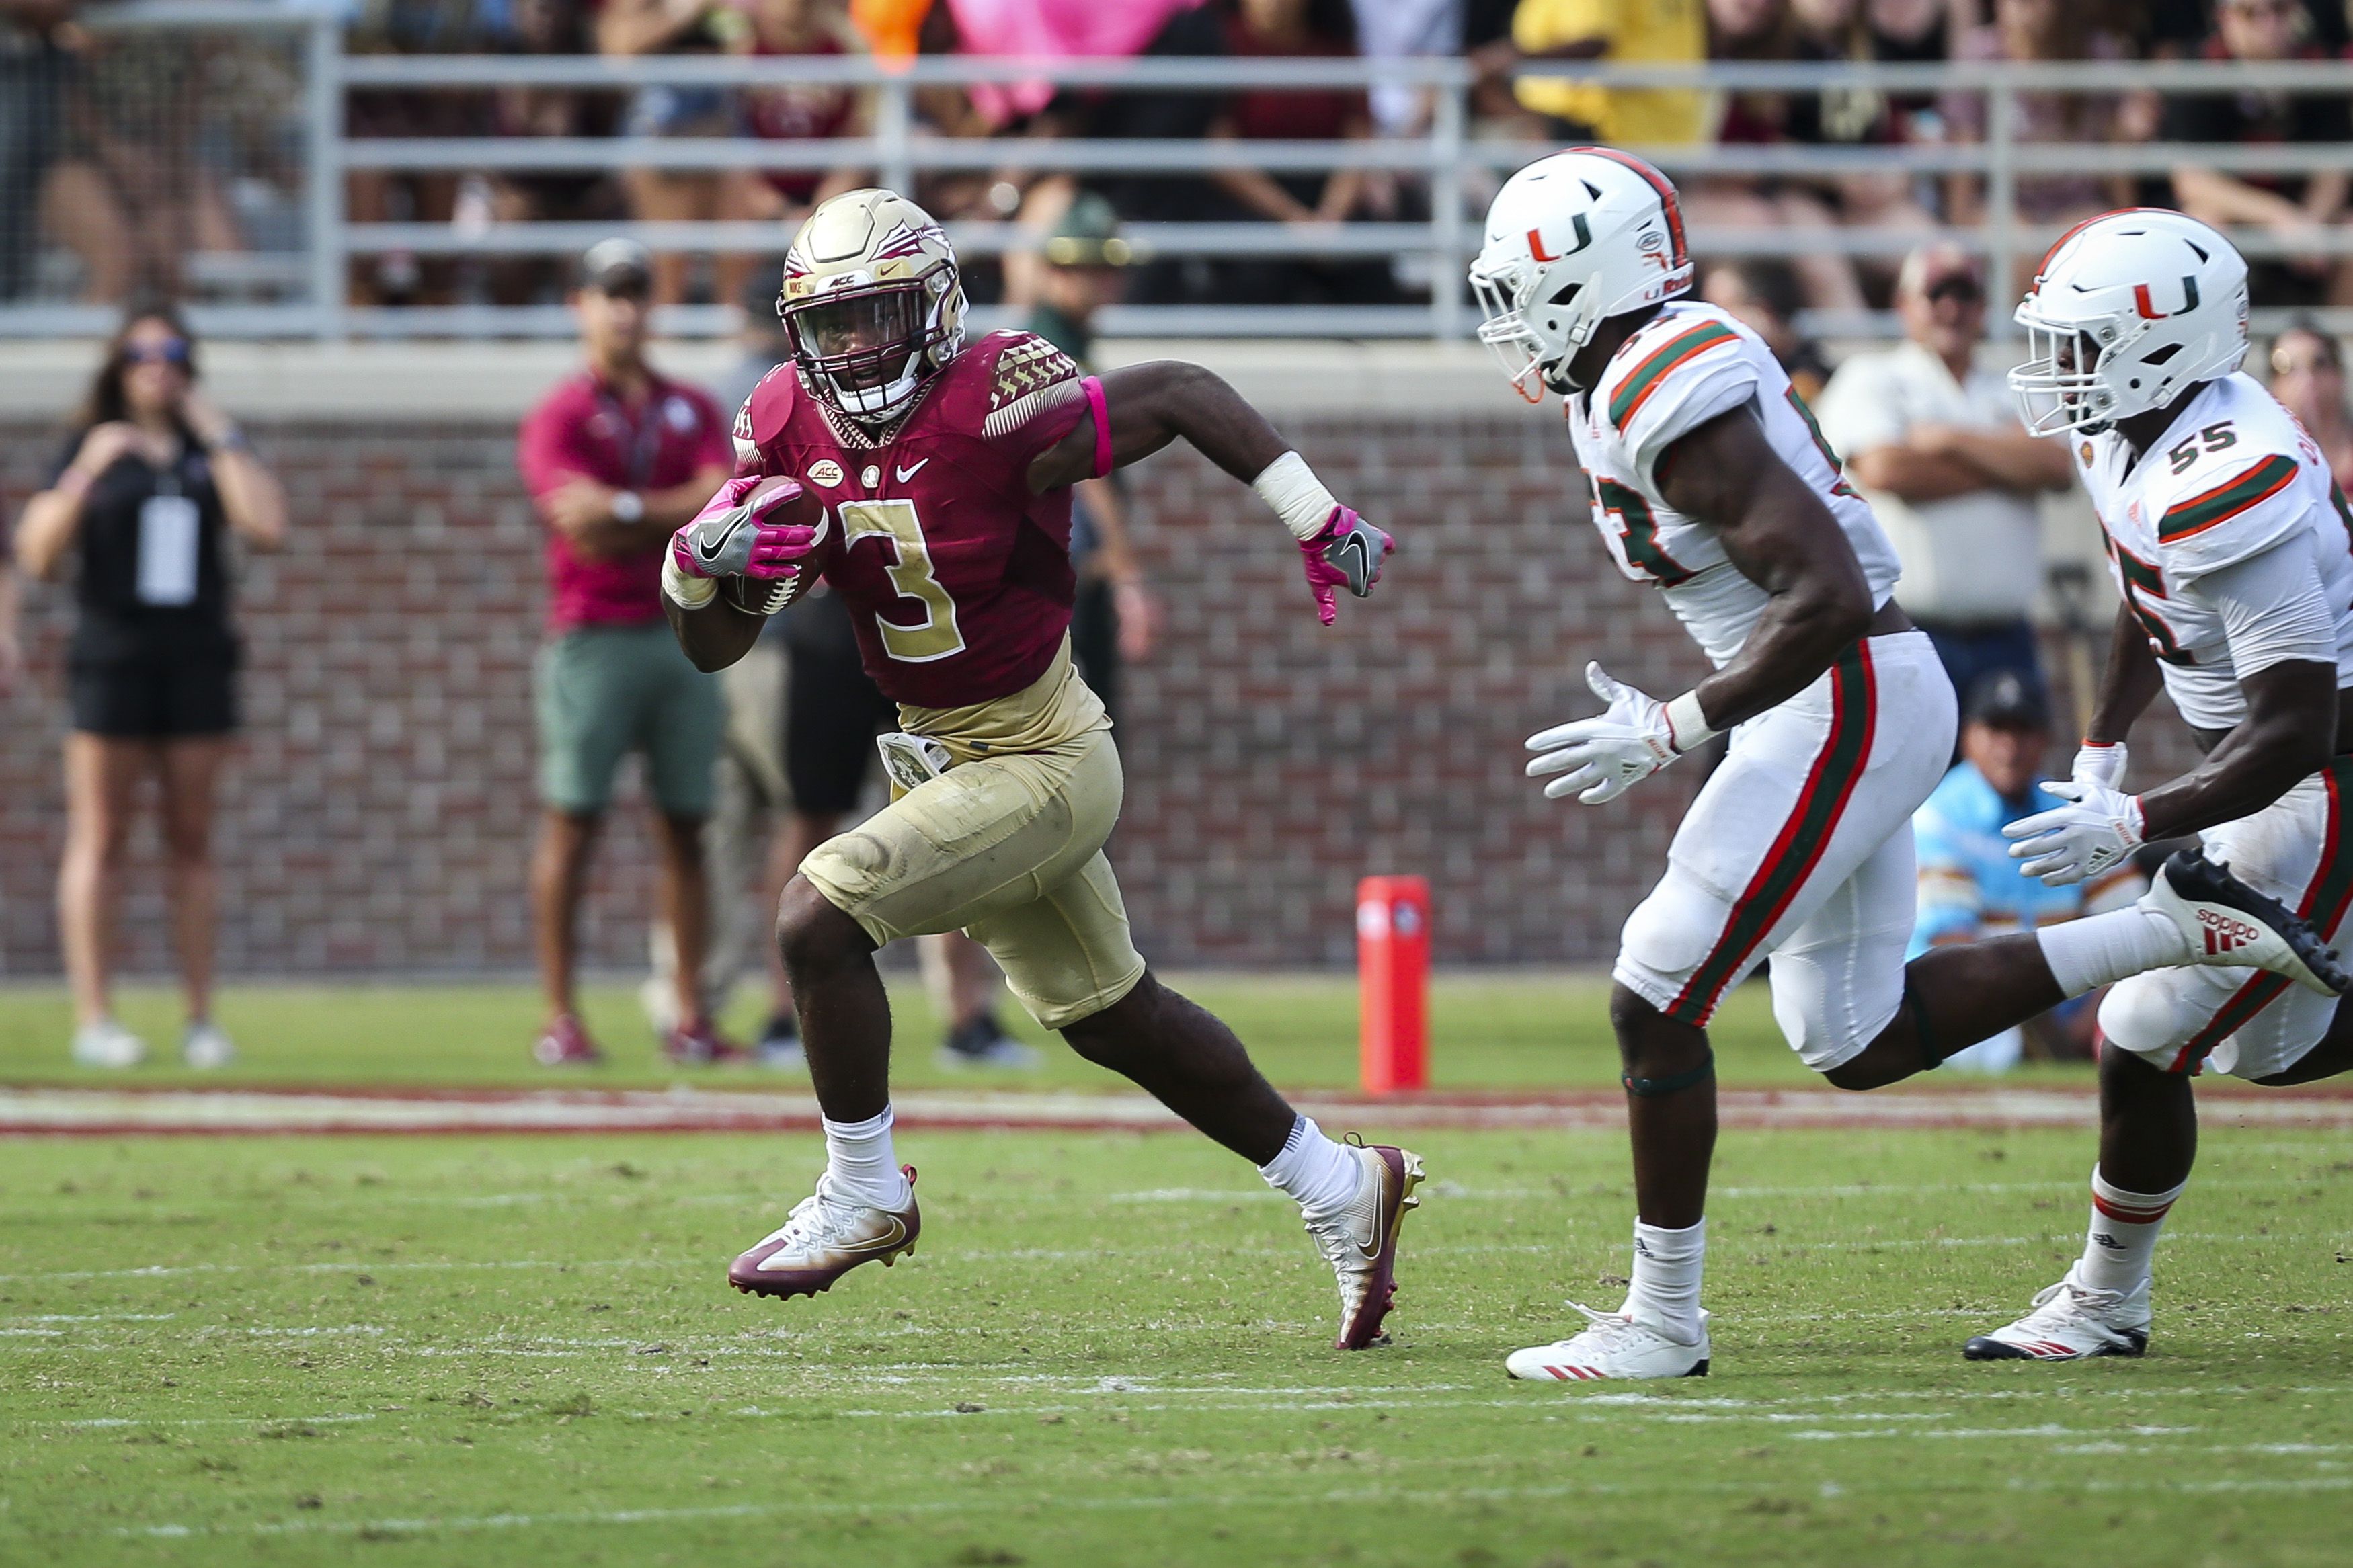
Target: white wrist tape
point(687, 592)
point(1687, 727)
point(1297, 496)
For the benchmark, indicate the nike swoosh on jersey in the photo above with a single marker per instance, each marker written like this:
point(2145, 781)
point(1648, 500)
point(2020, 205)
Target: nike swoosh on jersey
point(906, 474)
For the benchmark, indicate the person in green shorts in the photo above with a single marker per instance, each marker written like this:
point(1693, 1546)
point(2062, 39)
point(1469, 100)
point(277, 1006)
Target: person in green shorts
point(615, 458)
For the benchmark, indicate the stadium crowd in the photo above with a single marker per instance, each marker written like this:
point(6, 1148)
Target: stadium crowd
point(123, 154)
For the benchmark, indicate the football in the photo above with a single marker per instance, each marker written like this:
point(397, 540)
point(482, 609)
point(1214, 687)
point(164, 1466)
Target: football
point(767, 596)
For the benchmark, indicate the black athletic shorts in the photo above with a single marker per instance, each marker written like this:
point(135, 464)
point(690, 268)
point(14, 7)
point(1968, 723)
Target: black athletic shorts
point(832, 710)
point(153, 700)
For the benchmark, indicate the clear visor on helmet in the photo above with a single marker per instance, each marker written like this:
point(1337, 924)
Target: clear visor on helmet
point(1505, 331)
point(2058, 387)
point(862, 337)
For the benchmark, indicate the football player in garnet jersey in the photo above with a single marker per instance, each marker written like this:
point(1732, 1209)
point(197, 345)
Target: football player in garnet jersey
point(927, 480)
point(1702, 469)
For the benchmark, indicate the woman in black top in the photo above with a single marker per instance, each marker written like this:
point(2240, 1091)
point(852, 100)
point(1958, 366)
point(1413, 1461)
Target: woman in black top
point(146, 490)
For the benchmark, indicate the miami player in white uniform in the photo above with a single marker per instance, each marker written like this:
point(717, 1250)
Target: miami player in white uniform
point(2233, 553)
point(1706, 478)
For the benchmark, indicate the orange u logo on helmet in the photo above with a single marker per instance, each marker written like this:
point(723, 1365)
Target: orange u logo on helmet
point(2147, 307)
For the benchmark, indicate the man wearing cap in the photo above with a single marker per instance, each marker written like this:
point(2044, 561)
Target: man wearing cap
point(1935, 444)
point(1970, 888)
point(615, 458)
point(1081, 269)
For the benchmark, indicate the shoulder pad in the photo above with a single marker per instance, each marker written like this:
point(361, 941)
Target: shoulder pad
point(1023, 376)
point(763, 416)
point(1642, 368)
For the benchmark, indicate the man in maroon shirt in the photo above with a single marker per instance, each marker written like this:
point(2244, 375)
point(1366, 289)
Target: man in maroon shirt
point(929, 483)
point(615, 458)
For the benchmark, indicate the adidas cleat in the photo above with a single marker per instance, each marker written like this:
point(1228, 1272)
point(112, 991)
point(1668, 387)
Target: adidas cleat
point(824, 1238)
point(1360, 1240)
point(1612, 1346)
point(2230, 924)
point(2070, 1322)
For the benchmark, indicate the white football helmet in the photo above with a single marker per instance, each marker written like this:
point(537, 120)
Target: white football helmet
point(1573, 239)
point(872, 302)
point(2126, 310)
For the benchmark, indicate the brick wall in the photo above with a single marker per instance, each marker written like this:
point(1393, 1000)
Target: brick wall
point(380, 817)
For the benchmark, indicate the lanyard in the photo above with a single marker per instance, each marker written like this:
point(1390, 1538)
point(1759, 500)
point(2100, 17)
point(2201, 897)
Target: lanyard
point(644, 438)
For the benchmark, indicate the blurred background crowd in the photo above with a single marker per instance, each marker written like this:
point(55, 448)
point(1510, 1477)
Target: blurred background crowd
point(135, 160)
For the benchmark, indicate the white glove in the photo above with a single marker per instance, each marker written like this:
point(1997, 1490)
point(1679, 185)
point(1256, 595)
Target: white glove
point(2093, 832)
point(1604, 757)
point(2101, 763)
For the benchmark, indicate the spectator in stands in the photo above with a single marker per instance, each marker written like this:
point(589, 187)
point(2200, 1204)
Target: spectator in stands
point(2042, 31)
point(33, 64)
point(2297, 208)
point(1655, 32)
point(1933, 442)
point(811, 112)
point(617, 459)
point(1969, 886)
point(1764, 295)
point(1404, 30)
point(1294, 29)
point(409, 196)
point(893, 29)
point(1826, 31)
point(1911, 33)
point(144, 499)
point(1763, 31)
point(2308, 377)
point(130, 195)
point(630, 27)
point(548, 27)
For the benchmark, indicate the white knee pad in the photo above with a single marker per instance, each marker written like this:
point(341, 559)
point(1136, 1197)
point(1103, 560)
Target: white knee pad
point(2145, 1016)
point(1669, 936)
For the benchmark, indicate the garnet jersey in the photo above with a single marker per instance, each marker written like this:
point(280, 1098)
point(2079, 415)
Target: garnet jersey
point(958, 577)
point(1684, 368)
point(2234, 476)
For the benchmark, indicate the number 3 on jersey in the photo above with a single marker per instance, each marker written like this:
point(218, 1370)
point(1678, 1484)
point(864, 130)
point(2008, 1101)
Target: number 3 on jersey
point(935, 636)
point(1638, 531)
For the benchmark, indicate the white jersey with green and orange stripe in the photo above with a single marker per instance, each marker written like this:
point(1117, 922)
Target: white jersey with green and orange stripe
point(1690, 365)
point(2234, 476)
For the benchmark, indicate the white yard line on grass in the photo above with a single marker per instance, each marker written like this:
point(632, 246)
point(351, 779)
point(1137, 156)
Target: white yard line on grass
point(115, 1112)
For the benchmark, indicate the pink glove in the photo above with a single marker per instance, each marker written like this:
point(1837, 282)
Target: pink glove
point(1348, 553)
point(731, 538)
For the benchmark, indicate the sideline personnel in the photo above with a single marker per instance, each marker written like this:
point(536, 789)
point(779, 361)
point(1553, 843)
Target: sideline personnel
point(616, 457)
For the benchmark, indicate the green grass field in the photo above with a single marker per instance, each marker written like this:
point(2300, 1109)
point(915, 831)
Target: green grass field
point(1114, 1350)
point(1488, 1030)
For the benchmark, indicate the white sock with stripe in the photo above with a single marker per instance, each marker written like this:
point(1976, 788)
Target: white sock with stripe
point(862, 1164)
point(2122, 1242)
point(1663, 1292)
point(1320, 1174)
point(2100, 950)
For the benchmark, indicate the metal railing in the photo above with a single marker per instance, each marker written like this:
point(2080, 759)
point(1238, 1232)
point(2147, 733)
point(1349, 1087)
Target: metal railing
point(1455, 167)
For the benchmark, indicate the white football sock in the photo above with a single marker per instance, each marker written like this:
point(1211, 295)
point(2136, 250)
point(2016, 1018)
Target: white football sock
point(1320, 1174)
point(2100, 950)
point(2123, 1237)
point(861, 1162)
point(1663, 1292)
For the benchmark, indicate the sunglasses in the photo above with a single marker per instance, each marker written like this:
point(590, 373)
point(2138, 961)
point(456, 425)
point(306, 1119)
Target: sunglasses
point(2285, 364)
point(1964, 290)
point(172, 352)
